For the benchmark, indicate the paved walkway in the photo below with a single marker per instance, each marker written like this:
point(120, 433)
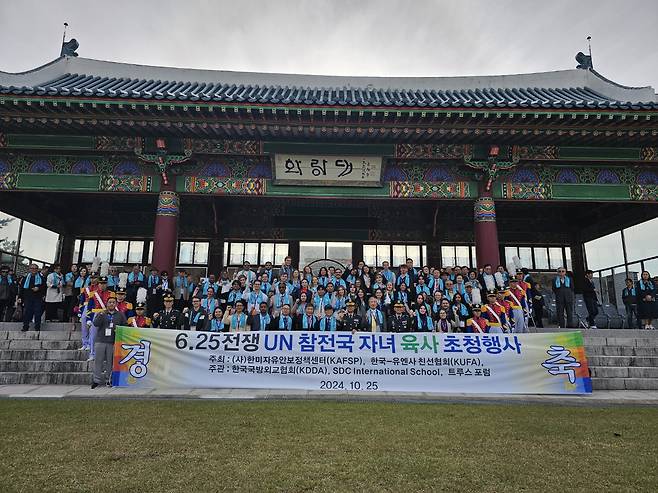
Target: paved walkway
point(597, 398)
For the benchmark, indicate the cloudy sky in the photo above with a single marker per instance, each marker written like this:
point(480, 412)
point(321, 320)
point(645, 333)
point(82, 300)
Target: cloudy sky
point(387, 37)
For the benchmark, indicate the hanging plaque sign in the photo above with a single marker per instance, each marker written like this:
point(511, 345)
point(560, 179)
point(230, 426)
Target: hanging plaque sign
point(327, 170)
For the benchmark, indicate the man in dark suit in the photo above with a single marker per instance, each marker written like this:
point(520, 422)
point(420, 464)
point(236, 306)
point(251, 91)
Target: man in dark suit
point(284, 321)
point(31, 290)
point(261, 320)
point(563, 289)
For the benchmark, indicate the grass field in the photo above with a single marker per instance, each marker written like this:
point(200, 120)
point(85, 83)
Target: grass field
point(162, 446)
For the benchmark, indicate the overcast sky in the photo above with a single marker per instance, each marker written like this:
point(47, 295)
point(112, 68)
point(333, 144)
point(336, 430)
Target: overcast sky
point(389, 38)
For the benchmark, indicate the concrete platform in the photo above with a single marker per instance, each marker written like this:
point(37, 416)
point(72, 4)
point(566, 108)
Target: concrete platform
point(598, 398)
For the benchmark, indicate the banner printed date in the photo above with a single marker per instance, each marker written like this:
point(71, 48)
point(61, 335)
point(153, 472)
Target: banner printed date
point(353, 385)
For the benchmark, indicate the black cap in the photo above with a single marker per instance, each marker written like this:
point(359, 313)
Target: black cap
point(477, 306)
point(102, 279)
point(140, 306)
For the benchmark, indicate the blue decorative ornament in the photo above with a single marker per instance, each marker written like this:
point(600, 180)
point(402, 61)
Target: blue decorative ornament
point(41, 166)
point(647, 178)
point(525, 175)
point(567, 176)
point(127, 168)
point(438, 173)
point(394, 173)
point(83, 168)
point(260, 171)
point(607, 176)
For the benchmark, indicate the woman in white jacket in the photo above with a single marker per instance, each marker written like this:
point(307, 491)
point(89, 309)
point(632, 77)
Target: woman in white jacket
point(54, 293)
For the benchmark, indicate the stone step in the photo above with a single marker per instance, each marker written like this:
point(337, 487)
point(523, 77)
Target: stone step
point(622, 341)
point(32, 366)
point(43, 378)
point(36, 344)
point(597, 333)
point(45, 326)
point(619, 351)
point(43, 354)
point(623, 371)
point(635, 361)
point(52, 335)
point(624, 384)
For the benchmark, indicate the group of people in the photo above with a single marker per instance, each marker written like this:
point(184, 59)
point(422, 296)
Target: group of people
point(360, 298)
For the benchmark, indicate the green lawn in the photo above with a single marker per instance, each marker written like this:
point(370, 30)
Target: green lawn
point(165, 445)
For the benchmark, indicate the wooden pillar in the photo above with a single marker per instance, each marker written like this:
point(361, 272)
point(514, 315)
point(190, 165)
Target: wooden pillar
point(486, 231)
point(65, 257)
point(216, 256)
point(293, 251)
point(165, 236)
point(577, 263)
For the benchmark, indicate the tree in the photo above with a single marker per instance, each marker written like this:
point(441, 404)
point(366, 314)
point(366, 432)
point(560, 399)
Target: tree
point(5, 243)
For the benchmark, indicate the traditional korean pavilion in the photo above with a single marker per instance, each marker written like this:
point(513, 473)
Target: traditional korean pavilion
point(97, 150)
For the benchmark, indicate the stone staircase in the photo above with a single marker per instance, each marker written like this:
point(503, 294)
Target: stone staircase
point(618, 359)
point(50, 356)
point(621, 359)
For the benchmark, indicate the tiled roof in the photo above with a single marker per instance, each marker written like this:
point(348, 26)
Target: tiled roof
point(79, 77)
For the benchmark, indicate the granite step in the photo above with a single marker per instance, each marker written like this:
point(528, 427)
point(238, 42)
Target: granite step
point(38, 344)
point(52, 335)
point(624, 383)
point(43, 354)
point(34, 366)
point(635, 361)
point(619, 351)
point(45, 378)
point(45, 326)
point(623, 371)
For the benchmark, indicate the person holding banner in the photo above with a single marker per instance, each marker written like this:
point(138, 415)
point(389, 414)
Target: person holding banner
point(197, 317)
point(375, 319)
point(235, 319)
point(169, 318)
point(106, 322)
point(284, 321)
point(140, 320)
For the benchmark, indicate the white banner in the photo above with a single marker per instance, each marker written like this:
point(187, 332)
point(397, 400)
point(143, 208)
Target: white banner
point(551, 363)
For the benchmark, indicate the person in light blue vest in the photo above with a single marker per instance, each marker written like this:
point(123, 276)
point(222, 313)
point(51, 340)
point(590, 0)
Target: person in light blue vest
point(563, 289)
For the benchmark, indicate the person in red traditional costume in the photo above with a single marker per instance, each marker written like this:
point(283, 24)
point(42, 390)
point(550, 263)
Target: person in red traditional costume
point(495, 313)
point(140, 320)
point(123, 306)
point(477, 324)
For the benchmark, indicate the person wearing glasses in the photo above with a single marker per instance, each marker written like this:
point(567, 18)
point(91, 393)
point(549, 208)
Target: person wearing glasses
point(564, 296)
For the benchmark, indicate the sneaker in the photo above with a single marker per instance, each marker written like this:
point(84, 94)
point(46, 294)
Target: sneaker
point(82, 348)
point(94, 385)
point(91, 358)
point(593, 327)
point(108, 384)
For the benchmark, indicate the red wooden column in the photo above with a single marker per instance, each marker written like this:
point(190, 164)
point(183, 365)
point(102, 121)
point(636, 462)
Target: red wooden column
point(165, 236)
point(486, 231)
